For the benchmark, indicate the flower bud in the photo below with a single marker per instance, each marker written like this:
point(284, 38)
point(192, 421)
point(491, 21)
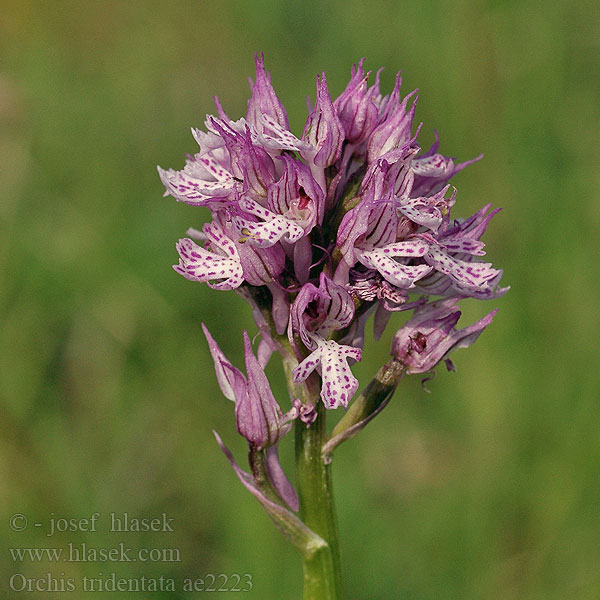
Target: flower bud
point(323, 130)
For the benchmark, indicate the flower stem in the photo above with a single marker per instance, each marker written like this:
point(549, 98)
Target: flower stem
point(322, 569)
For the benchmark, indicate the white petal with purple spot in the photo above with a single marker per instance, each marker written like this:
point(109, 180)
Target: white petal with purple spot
point(198, 264)
point(338, 382)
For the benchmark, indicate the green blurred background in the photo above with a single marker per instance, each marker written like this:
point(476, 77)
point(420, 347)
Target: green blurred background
point(488, 487)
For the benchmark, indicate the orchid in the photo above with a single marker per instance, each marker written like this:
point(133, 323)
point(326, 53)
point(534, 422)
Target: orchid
point(430, 335)
point(319, 232)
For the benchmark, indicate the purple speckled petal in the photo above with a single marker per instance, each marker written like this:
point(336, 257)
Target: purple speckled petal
point(396, 273)
point(268, 232)
point(402, 276)
point(214, 169)
point(338, 383)
point(433, 171)
point(275, 137)
point(465, 275)
point(436, 165)
point(216, 236)
point(421, 211)
point(408, 248)
point(307, 366)
point(259, 265)
point(198, 264)
point(464, 245)
point(193, 188)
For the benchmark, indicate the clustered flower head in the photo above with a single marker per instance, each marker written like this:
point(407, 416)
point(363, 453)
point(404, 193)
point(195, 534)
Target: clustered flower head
point(321, 231)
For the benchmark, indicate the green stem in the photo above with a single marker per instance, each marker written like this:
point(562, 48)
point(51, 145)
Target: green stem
point(322, 569)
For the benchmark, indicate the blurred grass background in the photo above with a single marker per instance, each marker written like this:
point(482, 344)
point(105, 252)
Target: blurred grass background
point(488, 487)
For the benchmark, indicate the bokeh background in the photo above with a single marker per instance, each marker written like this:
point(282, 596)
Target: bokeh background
point(488, 487)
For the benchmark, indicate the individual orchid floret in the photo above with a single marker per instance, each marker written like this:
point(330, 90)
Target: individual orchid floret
point(260, 266)
point(294, 206)
point(257, 414)
point(330, 359)
point(394, 132)
point(429, 212)
point(202, 182)
point(373, 220)
point(267, 116)
point(323, 129)
point(356, 107)
point(451, 256)
point(432, 170)
point(317, 312)
point(264, 101)
point(226, 260)
point(297, 195)
point(218, 261)
point(367, 234)
point(250, 163)
point(256, 410)
point(367, 225)
point(397, 273)
point(465, 276)
point(430, 335)
point(270, 230)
